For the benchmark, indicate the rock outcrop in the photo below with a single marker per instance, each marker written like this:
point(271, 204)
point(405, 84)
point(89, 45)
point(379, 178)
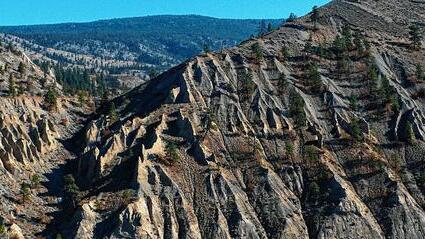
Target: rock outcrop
point(256, 142)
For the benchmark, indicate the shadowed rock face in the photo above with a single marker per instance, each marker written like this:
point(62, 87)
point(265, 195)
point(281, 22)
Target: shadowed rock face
point(215, 149)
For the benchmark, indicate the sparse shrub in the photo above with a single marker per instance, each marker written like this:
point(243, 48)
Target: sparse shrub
point(25, 192)
point(127, 196)
point(35, 181)
point(171, 152)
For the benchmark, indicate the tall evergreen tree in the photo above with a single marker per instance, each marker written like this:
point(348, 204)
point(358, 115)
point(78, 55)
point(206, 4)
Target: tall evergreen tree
point(315, 15)
point(12, 86)
point(262, 28)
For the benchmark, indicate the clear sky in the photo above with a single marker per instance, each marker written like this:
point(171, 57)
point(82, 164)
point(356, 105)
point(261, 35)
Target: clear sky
point(23, 12)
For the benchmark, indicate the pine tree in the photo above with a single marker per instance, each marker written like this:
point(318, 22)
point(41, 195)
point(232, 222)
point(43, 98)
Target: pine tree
point(419, 73)
point(315, 15)
point(292, 17)
point(296, 109)
point(71, 189)
point(50, 99)
point(112, 112)
point(314, 77)
point(415, 36)
point(262, 28)
point(12, 86)
point(410, 135)
point(22, 68)
point(269, 27)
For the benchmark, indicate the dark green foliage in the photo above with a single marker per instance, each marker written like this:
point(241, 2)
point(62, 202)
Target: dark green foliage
point(343, 64)
point(112, 112)
point(258, 51)
point(282, 84)
point(314, 77)
point(35, 181)
point(347, 37)
point(410, 135)
point(308, 47)
point(50, 98)
point(73, 80)
point(180, 37)
point(354, 103)
point(419, 73)
point(296, 109)
point(25, 192)
point(171, 152)
point(315, 16)
point(22, 68)
point(373, 79)
point(395, 104)
point(311, 153)
point(339, 45)
point(12, 86)
point(285, 52)
point(262, 28)
point(269, 27)
point(289, 148)
point(356, 131)
point(71, 189)
point(415, 36)
point(127, 196)
point(246, 86)
point(292, 17)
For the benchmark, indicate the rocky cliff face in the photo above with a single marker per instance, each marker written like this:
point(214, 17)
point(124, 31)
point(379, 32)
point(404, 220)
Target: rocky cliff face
point(293, 135)
point(313, 131)
point(30, 144)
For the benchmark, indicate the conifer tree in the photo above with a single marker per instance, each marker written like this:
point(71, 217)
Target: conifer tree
point(12, 86)
point(315, 16)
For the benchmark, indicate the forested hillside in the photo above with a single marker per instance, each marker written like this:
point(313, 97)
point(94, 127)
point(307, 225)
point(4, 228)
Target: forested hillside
point(156, 40)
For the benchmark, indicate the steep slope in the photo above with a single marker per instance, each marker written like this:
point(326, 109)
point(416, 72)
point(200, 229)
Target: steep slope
point(308, 132)
point(30, 143)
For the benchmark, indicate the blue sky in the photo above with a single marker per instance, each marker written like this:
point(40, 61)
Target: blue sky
point(21, 12)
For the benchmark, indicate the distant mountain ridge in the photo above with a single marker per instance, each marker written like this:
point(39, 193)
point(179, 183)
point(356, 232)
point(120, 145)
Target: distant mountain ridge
point(161, 40)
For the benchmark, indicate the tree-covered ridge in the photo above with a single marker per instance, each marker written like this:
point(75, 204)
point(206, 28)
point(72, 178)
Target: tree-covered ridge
point(171, 38)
